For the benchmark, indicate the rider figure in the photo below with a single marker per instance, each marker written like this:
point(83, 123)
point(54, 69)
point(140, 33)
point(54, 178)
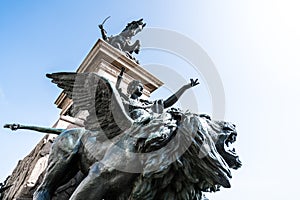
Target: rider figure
point(138, 108)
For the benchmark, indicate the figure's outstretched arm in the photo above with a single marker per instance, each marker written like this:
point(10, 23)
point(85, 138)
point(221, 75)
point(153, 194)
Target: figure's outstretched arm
point(15, 127)
point(174, 98)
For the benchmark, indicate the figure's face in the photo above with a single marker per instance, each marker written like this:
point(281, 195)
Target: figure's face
point(139, 90)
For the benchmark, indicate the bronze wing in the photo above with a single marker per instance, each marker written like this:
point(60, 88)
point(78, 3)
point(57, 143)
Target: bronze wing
point(94, 93)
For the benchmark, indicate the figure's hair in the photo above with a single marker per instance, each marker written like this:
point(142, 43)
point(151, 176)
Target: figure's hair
point(132, 85)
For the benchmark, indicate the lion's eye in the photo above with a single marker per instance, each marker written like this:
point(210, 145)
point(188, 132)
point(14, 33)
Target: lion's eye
point(227, 128)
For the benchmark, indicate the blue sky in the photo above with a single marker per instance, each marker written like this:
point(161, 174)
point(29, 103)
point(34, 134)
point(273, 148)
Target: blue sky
point(253, 44)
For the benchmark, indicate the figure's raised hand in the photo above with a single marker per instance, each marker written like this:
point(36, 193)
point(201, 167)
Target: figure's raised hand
point(123, 69)
point(194, 82)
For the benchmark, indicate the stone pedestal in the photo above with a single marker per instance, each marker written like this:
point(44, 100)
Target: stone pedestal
point(27, 172)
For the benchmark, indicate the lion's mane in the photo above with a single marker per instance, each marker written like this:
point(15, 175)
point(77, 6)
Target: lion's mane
point(187, 166)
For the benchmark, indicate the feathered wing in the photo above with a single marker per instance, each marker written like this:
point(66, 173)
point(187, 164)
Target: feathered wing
point(94, 93)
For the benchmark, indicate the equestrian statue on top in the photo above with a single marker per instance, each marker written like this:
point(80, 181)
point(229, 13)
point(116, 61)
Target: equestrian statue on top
point(122, 41)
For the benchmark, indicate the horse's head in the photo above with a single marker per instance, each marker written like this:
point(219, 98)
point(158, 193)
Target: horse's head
point(134, 27)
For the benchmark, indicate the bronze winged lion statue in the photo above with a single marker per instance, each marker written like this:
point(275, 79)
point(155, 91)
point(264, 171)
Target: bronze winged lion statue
point(137, 149)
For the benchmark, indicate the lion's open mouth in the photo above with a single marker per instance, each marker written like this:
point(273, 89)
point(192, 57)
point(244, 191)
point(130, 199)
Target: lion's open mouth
point(229, 144)
point(227, 150)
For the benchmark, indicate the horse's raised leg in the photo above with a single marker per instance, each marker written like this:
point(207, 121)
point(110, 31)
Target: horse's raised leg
point(62, 164)
point(135, 47)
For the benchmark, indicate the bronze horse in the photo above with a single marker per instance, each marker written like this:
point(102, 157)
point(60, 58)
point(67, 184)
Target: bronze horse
point(122, 41)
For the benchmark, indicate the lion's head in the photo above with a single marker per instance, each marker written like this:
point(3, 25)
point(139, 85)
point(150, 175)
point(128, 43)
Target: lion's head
point(217, 152)
point(196, 159)
point(224, 135)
